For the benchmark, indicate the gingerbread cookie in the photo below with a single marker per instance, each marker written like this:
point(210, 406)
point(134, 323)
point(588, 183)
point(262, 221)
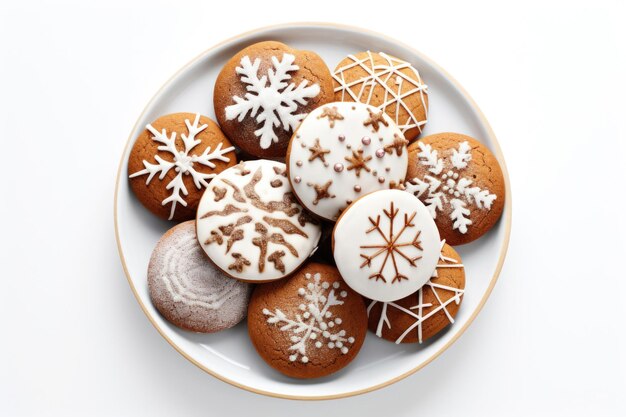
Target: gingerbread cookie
point(251, 225)
point(422, 315)
point(263, 93)
point(188, 290)
point(309, 325)
point(460, 182)
point(342, 151)
point(387, 83)
point(386, 245)
point(173, 160)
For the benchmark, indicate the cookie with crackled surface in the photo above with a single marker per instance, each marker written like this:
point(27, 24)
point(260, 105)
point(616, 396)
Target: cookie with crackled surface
point(387, 83)
point(251, 226)
point(308, 326)
point(460, 182)
point(264, 91)
point(188, 290)
point(423, 314)
point(173, 161)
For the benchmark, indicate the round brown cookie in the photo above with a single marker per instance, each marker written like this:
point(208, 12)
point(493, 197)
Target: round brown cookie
point(188, 290)
point(264, 91)
point(309, 325)
point(425, 313)
point(460, 182)
point(173, 161)
point(385, 82)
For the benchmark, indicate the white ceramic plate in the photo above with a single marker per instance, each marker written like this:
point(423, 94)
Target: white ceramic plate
point(229, 355)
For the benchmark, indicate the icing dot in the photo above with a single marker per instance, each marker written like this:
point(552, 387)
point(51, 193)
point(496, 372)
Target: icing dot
point(333, 337)
point(294, 339)
point(266, 311)
point(302, 307)
point(341, 138)
point(297, 180)
point(318, 344)
point(388, 169)
point(445, 188)
point(338, 167)
point(450, 191)
point(344, 350)
point(301, 291)
point(380, 153)
point(348, 146)
point(338, 320)
point(457, 194)
point(342, 333)
point(366, 140)
point(455, 175)
point(351, 339)
point(307, 275)
point(325, 285)
point(306, 315)
point(328, 314)
point(450, 173)
point(348, 201)
point(325, 333)
point(325, 164)
point(299, 163)
point(304, 359)
point(344, 294)
point(313, 336)
point(323, 299)
point(331, 345)
point(357, 188)
point(331, 324)
point(292, 358)
point(177, 169)
point(335, 285)
point(310, 286)
point(381, 179)
point(339, 344)
point(324, 326)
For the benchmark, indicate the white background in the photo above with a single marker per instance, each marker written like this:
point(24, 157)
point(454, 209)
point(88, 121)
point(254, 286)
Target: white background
point(550, 78)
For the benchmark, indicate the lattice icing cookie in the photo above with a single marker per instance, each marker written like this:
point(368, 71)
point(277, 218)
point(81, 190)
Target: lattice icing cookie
point(460, 182)
point(309, 325)
point(387, 83)
point(263, 93)
point(173, 161)
point(251, 225)
point(386, 245)
point(425, 313)
point(188, 290)
point(342, 151)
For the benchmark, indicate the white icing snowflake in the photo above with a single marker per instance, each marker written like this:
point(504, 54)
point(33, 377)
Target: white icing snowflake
point(183, 161)
point(448, 186)
point(315, 326)
point(278, 99)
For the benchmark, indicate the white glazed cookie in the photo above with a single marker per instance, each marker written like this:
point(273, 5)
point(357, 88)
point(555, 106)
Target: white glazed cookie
point(250, 224)
point(386, 245)
point(188, 290)
point(342, 151)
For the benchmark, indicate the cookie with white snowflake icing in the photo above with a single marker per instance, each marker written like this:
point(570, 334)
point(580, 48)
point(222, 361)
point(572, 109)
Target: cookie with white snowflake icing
point(309, 325)
point(460, 182)
point(342, 151)
point(173, 160)
point(263, 93)
point(387, 83)
point(386, 245)
point(423, 314)
point(188, 290)
point(251, 225)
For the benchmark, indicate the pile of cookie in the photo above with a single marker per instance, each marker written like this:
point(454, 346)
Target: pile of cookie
point(354, 230)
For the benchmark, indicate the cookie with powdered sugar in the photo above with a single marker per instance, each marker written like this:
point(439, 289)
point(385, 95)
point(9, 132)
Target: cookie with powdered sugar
point(188, 290)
